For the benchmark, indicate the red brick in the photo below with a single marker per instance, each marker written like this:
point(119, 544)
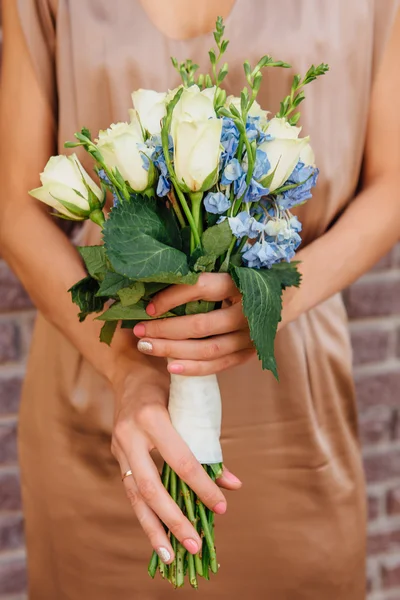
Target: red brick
point(373, 298)
point(11, 531)
point(380, 389)
point(376, 425)
point(10, 391)
point(10, 493)
point(382, 466)
point(390, 575)
point(13, 296)
point(8, 444)
point(387, 541)
point(9, 343)
point(393, 502)
point(373, 507)
point(369, 345)
point(12, 576)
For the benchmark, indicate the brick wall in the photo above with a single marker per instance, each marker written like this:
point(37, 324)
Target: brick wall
point(373, 304)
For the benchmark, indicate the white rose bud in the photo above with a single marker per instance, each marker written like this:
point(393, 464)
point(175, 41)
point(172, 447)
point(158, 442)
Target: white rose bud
point(122, 147)
point(196, 133)
point(284, 151)
point(151, 108)
point(68, 188)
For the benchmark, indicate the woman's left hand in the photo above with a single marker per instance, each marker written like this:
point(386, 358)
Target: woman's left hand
point(200, 344)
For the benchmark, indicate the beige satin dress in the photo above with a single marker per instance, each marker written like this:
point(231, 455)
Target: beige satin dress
point(296, 530)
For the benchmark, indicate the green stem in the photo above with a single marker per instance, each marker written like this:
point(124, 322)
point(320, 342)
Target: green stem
point(152, 568)
point(208, 537)
point(176, 208)
point(192, 571)
point(187, 212)
point(196, 200)
point(188, 498)
point(180, 574)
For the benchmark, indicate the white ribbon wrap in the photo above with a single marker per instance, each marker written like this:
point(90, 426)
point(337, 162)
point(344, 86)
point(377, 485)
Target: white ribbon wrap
point(195, 411)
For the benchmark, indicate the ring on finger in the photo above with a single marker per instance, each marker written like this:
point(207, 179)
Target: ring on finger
point(127, 473)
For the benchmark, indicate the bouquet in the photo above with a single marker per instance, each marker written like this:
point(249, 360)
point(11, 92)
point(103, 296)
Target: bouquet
point(201, 182)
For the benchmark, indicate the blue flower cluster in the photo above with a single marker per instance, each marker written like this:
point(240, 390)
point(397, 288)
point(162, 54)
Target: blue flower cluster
point(303, 178)
point(278, 241)
point(158, 158)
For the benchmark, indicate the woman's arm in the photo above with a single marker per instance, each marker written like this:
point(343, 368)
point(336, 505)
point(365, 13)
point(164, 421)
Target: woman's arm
point(364, 233)
point(48, 265)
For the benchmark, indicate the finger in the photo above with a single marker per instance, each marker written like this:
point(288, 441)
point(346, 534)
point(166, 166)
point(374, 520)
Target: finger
point(216, 322)
point(209, 286)
point(228, 480)
point(177, 454)
point(210, 367)
point(153, 493)
point(208, 349)
point(149, 522)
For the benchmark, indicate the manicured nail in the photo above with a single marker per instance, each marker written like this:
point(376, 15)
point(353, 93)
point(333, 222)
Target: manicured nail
point(164, 554)
point(220, 508)
point(175, 368)
point(151, 309)
point(191, 546)
point(230, 476)
point(145, 347)
point(139, 330)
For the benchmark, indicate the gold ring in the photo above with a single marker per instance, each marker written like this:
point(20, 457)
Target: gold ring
point(127, 474)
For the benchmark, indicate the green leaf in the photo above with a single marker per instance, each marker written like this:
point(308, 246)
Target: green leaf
point(262, 305)
point(205, 263)
point(199, 306)
point(153, 288)
point(95, 260)
point(131, 295)
point(137, 312)
point(170, 278)
point(139, 244)
point(107, 332)
point(83, 294)
point(217, 239)
point(128, 324)
point(111, 283)
point(288, 273)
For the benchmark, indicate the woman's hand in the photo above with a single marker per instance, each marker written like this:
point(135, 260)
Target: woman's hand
point(227, 340)
point(142, 424)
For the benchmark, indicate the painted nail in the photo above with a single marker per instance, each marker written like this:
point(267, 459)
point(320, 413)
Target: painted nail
point(175, 368)
point(139, 330)
point(164, 554)
point(151, 309)
point(145, 347)
point(230, 476)
point(220, 508)
point(191, 546)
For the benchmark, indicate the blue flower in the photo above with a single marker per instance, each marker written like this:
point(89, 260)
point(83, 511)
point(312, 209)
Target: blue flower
point(254, 131)
point(158, 158)
point(245, 225)
point(163, 186)
point(216, 203)
point(229, 140)
point(231, 172)
point(261, 165)
point(304, 177)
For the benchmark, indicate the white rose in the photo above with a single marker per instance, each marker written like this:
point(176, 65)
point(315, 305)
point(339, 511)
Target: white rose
point(285, 150)
point(196, 133)
point(63, 188)
point(122, 148)
point(151, 108)
point(255, 109)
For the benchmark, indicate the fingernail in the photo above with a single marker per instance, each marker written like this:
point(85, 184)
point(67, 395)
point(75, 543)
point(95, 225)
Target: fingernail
point(191, 546)
point(139, 330)
point(144, 346)
point(164, 554)
point(151, 309)
point(230, 476)
point(175, 368)
point(220, 508)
